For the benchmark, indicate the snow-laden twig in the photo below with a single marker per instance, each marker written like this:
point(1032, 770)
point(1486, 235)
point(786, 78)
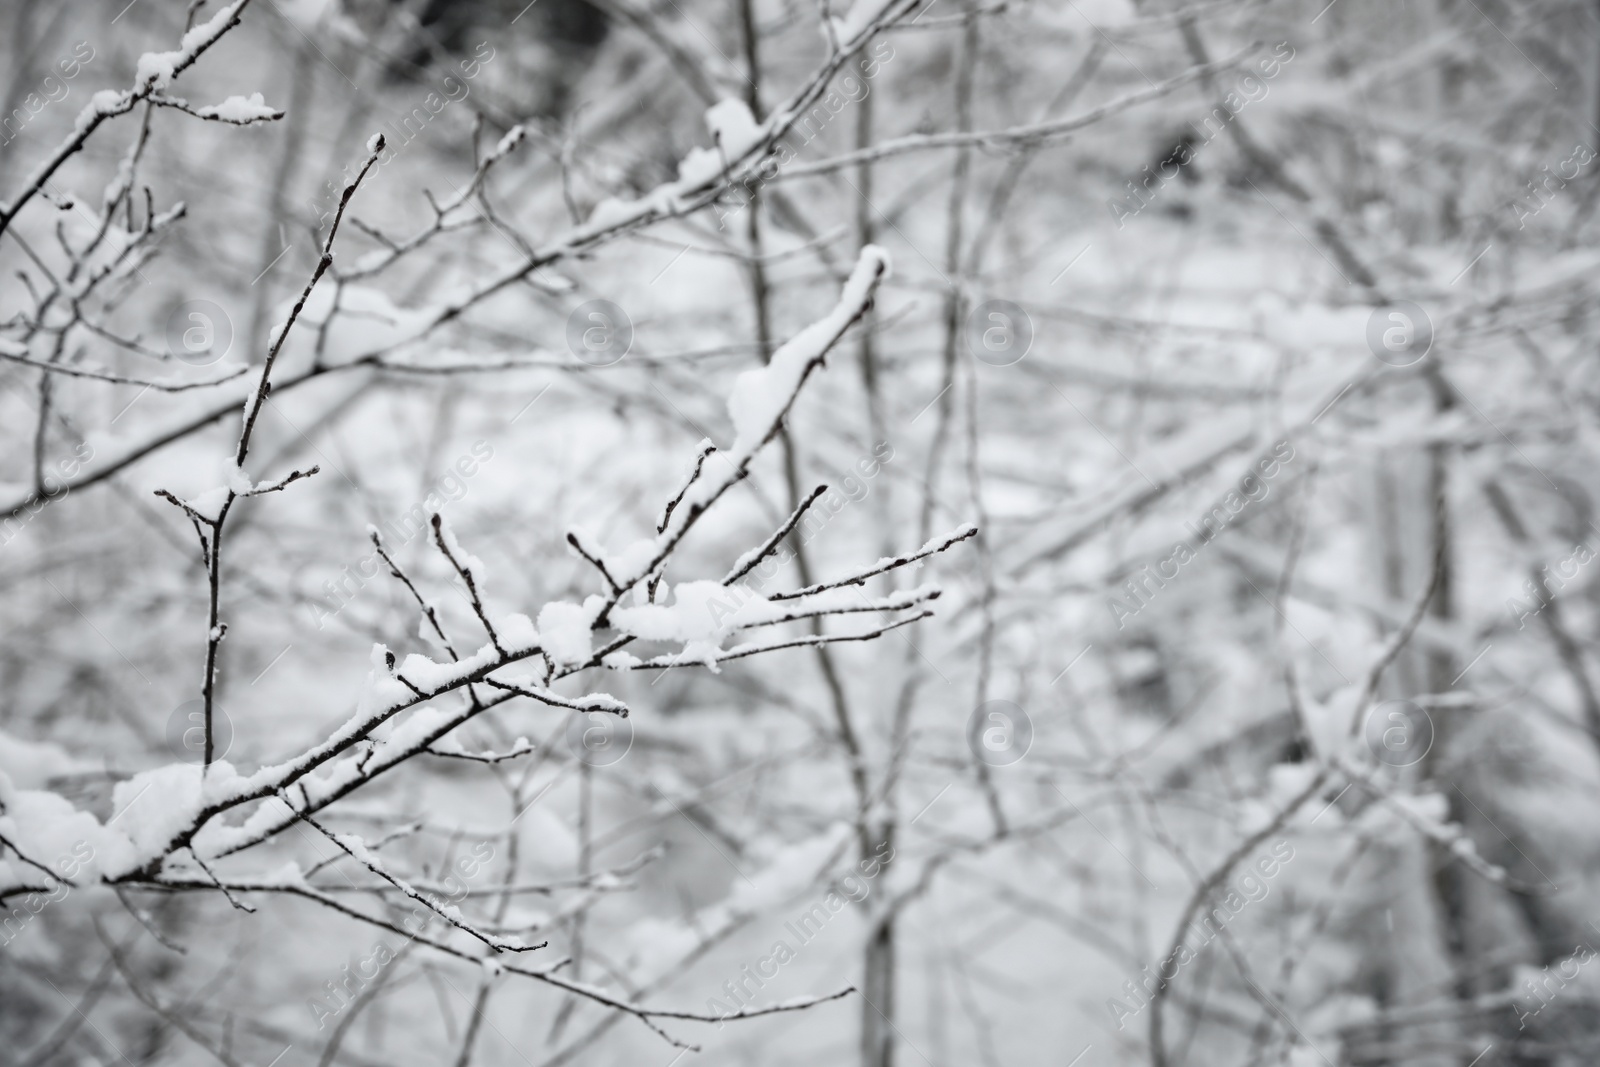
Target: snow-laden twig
point(279, 485)
point(592, 556)
point(752, 559)
point(209, 527)
point(445, 540)
point(31, 862)
point(523, 747)
point(714, 657)
point(563, 640)
point(550, 976)
point(235, 111)
point(428, 612)
point(1449, 835)
point(611, 879)
point(156, 70)
point(888, 563)
point(393, 250)
point(597, 702)
point(238, 904)
point(280, 333)
point(706, 448)
point(357, 850)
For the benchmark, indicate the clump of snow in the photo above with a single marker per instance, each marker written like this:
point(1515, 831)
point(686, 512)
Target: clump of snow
point(47, 828)
point(30, 764)
point(104, 102)
point(154, 807)
point(512, 138)
point(155, 69)
point(517, 632)
point(734, 131)
point(423, 723)
point(238, 480)
point(470, 563)
point(761, 396)
point(612, 212)
point(425, 673)
point(630, 564)
point(241, 110)
point(382, 689)
point(564, 632)
point(701, 611)
point(732, 127)
point(209, 503)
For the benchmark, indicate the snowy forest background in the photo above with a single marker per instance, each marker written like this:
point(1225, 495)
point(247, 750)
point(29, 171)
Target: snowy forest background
point(1190, 660)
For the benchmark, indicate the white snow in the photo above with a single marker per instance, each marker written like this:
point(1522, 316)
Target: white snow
point(700, 611)
point(761, 396)
point(564, 632)
point(104, 102)
point(862, 14)
point(732, 127)
point(512, 138)
point(241, 110)
point(155, 69)
point(612, 212)
point(30, 764)
point(209, 503)
point(516, 631)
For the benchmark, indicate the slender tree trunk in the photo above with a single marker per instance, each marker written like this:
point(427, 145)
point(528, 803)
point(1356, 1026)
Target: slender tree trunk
point(878, 978)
